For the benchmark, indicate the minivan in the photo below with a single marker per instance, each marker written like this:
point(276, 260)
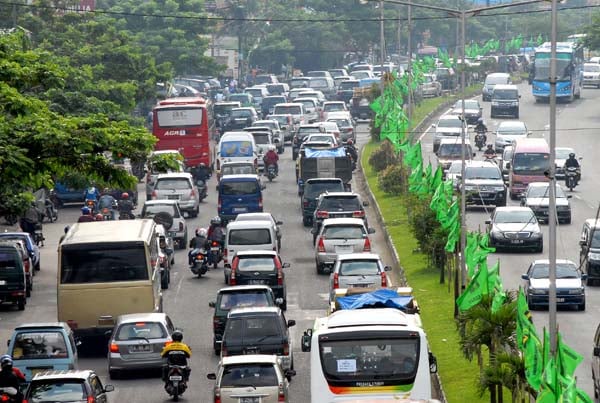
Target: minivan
point(236, 147)
point(239, 194)
point(13, 282)
point(490, 82)
point(505, 101)
point(248, 235)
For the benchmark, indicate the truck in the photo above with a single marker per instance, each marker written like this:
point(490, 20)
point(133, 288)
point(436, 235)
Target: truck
point(327, 163)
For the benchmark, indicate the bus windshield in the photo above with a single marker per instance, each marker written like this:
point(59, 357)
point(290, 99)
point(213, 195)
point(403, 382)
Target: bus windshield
point(386, 358)
point(530, 163)
point(184, 116)
point(563, 66)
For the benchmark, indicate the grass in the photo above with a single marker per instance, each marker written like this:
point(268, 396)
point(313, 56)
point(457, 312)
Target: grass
point(459, 376)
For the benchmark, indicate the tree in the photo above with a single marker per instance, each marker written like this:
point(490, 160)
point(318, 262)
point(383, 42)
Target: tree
point(592, 40)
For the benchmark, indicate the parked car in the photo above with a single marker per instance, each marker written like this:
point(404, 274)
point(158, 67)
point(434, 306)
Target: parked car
point(13, 281)
point(32, 249)
point(168, 214)
point(259, 331)
point(570, 290)
point(239, 296)
point(338, 205)
point(178, 186)
point(358, 270)
point(136, 342)
point(339, 236)
point(537, 197)
point(27, 263)
point(68, 386)
point(270, 383)
point(515, 228)
point(509, 131)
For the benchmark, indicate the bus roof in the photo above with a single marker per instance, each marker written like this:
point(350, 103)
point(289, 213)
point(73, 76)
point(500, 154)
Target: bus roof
point(182, 101)
point(109, 232)
point(380, 317)
point(525, 145)
point(561, 47)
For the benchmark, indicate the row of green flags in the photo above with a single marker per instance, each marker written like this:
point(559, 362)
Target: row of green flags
point(551, 376)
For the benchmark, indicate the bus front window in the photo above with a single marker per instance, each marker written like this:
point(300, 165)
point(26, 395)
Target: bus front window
point(530, 163)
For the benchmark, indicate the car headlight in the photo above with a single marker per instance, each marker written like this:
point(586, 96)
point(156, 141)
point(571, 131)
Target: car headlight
point(514, 104)
point(499, 189)
point(494, 103)
point(576, 291)
point(536, 234)
point(538, 291)
point(594, 256)
point(497, 234)
point(470, 188)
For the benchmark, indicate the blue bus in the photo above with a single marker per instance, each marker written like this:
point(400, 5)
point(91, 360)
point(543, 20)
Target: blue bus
point(569, 70)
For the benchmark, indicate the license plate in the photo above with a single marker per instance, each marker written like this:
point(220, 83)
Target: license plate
point(560, 300)
point(240, 209)
point(483, 194)
point(516, 241)
point(251, 351)
point(176, 378)
point(2, 282)
point(360, 285)
point(214, 248)
point(344, 249)
point(171, 234)
point(173, 197)
point(257, 282)
point(140, 349)
point(249, 400)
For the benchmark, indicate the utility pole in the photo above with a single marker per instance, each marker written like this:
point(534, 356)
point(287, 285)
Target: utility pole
point(409, 68)
point(463, 201)
point(381, 36)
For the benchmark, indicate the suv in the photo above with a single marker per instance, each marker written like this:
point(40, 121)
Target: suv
point(589, 254)
point(178, 186)
point(505, 101)
point(345, 90)
point(311, 192)
point(32, 248)
point(240, 296)
point(240, 118)
point(13, 282)
point(484, 184)
point(77, 386)
point(447, 126)
point(451, 149)
point(167, 213)
point(260, 267)
point(337, 205)
point(259, 331)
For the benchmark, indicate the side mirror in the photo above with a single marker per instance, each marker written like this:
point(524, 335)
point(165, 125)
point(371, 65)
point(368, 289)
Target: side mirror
point(7, 343)
point(108, 333)
point(584, 277)
point(109, 388)
point(263, 186)
point(582, 242)
point(433, 125)
point(488, 221)
point(596, 351)
point(279, 222)
point(432, 363)
point(290, 373)
point(212, 304)
point(371, 230)
point(285, 265)
point(387, 268)
point(291, 323)
point(529, 133)
point(365, 203)
point(212, 376)
point(508, 165)
point(569, 196)
point(306, 340)
point(278, 301)
point(474, 155)
point(525, 276)
point(283, 127)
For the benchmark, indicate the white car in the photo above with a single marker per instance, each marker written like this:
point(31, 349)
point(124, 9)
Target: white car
point(358, 270)
point(561, 156)
point(323, 137)
point(509, 131)
point(591, 74)
point(263, 217)
point(333, 106)
point(447, 126)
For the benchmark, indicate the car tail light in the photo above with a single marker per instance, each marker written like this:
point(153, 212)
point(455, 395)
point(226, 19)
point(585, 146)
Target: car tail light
point(286, 348)
point(217, 396)
point(27, 267)
point(216, 323)
point(295, 140)
point(367, 247)
point(358, 214)
point(223, 350)
point(5, 399)
point(322, 214)
point(260, 203)
point(161, 260)
point(154, 195)
point(279, 276)
point(321, 245)
point(72, 324)
point(255, 163)
point(336, 280)
point(225, 255)
point(305, 203)
point(384, 279)
point(218, 164)
point(232, 279)
point(168, 343)
point(215, 243)
point(180, 226)
point(114, 348)
point(281, 395)
point(192, 193)
point(91, 399)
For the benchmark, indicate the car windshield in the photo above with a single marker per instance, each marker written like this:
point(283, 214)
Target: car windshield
point(243, 299)
point(9, 261)
point(275, 88)
point(359, 268)
point(282, 119)
point(491, 80)
point(253, 236)
point(38, 345)
point(563, 153)
point(150, 210)
point(449, 123)
point(544, 192)
point(298, 82)
point(341, 122)
point(344, 232)
point(515, 216)
point(238, 170)
point(563, 270)
point(512, 130)
point(249, 375)
point(239, 97)
point(231, 188)
point(340, 204)
point(455, 168)
point(256, 263)
point(591, 68)
point(491, 172)
point(255, 92)
point(595, 239)
point(530, 163)
point(270, 101)
point(469, 104)
point(261, 138)
point(327, 139)
point(292, 110)
point(307, 103)
point(173, 183)
point(253, 329)
point(305, 131)
point(57, 391)
point(505, 94)
point(542, 66)
point(140, 330)
point(507, 154)
point(348, 85)
point(452, 151)
point(312, 190)
point(223, 110)
point(334, 107)
point(241, 113)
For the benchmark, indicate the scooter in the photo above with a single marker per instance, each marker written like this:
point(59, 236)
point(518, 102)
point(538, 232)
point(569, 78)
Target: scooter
point(215, 254)
point(480, 139)
point(176, 382)
point(202, 189)
point(38, 235)
point(199, 261)
point(571, 177)
point(271, 173)
point(8, 394)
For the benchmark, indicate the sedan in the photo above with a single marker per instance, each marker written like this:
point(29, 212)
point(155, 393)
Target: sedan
point(137, 340)
point(509, 131)
point(358, 270)
point(569, 284)
point(537, 197)
point(473, 110)
point(515, 228)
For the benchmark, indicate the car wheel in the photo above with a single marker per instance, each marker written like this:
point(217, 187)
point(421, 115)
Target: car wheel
point(21, 304)
point(113, 374)
point(581, 307)
point(184, 242)
point(307, 221)
point(319, 268)
point(164, 280)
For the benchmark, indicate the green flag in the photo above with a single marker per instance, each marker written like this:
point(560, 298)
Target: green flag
point(550, 378)
point(436, 179)
point(413, 156)
point(534, 365)
point(453, 216)
point(453, 238)
point(582, 397)
point(470, 247)
point(524, 322)
point(569, 358)
point(496, 288)
point(476, 289)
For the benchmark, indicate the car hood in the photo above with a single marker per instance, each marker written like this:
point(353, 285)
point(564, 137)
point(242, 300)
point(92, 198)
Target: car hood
point(545, 201)
point(544, 283)
point(484, 182)
point(444, 130)
point(517, 227)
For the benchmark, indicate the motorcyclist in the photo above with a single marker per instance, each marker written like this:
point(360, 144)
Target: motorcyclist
point(91, 193)
point(176, 353)
point(30, 219)
point(271, 158)
point(572, 162)
point(480, 127)
point(125, 207)
point(15, 370)
point(200, 172)
point(107, 201)
point(86, 215)
point(9, 379)
point(200, 241)
point(99, 217)
point(489, 151)
point(215, 231)
point(351, 151)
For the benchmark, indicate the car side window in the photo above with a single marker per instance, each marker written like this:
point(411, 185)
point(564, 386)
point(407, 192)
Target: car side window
point(96, 385)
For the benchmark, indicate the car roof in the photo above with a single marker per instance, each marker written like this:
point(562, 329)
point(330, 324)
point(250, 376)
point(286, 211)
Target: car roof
point(236, 163)
point(64, 374)
point(358, 256)
point(505, 87)
point(513, 208)
point(254, 310)
point(498, 75)
point(14, 234)
point(236, 288)
point(454, 140)
point(512, 123)
point(142, 317)
point(339, 194)
point(248, 224)
point(245, 108)
point(43, 325)
point(343, 221)
point(254, 217)
point(256, 253)
point(317, 180)
point(264, 122)
point(245, 177)
point(310, 125)
point(593, 222)
point(453, 117)
point(480, 163)
point(289, 103)
point(159, 202)
point(186, 175)
point(249, 359)
point(547, 261)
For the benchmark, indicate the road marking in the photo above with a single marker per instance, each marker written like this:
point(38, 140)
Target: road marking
point(424, 133)
point(178, 289)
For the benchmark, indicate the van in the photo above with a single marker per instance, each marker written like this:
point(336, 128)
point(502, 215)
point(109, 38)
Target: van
point(490, 82)
point(248, 235)
point(451, 149)
point(236, 147)
point(505, 101)
point(589, 254)
point(13, 282)
point(239, 194)
point(107, 269)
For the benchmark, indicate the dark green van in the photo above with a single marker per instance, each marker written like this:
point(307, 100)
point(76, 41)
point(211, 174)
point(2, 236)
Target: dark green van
point(13, 282)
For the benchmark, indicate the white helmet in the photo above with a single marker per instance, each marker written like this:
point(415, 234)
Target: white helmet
point(271, 147)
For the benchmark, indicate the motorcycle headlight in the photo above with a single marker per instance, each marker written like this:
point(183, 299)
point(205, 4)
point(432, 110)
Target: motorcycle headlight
point(593, 256)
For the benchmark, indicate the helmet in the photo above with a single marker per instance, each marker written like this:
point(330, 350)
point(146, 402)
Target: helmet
point(271, 147)
point(350, 142)
point(177, 336)
point(85, 210)
point(480, 120)
point(99, 217)
point(201, 232)
point(216, 220)
point(6, 361)
point(202, 165)
point(125, 196)
point(571, 155)
point(490, 146)
point(105, 190)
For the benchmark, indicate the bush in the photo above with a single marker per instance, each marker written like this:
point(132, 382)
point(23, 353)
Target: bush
point(430, 236)
point(392, 179)
point(383, 157)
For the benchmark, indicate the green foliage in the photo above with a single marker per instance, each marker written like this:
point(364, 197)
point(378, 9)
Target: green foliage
point(165, 162)
point(392, 179)
point(383, 157)
point(592, 39)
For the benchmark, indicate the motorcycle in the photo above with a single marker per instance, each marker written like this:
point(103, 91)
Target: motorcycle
point(216, 253)
point(176, 382)
point(50, 211)
point(202, 189)
point(199, 261)
point(126, 215)
point(9, 394)
point(480, 140)
point(571, 177)
point(271, 173)
point(91, 204)
point(38, 235)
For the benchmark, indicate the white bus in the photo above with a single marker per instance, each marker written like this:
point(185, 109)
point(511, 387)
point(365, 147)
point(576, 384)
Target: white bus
point(372, 354)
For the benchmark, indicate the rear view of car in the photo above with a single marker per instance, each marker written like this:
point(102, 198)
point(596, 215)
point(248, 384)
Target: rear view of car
point(311, 191)
point(67, 386)
point(358, 271)
point(239, 194)
point(178, 186)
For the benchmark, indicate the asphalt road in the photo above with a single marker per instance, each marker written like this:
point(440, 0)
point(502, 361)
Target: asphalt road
point(578, 125)
point(186, 301)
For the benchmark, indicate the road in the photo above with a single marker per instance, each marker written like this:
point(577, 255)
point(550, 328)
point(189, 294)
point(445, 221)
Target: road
point(186, 301)
point(578, 125)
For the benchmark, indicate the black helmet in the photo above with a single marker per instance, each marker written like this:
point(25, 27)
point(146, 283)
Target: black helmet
point(489, 146)
point(6, 362)
point(480, 120)
point(571, 155)
point(177, 336)
point(216, 220)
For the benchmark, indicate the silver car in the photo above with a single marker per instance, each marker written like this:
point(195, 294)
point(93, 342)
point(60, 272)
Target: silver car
point(263, 217)
point(340, 236)
point(137, 341)
point(251, 378)
point(358, 270)
point(509, 131)
point(178, 186)
point(167, 213)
